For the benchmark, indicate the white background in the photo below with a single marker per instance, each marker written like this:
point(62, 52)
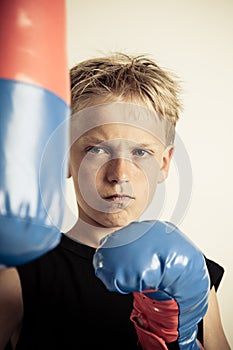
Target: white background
point(193, 38)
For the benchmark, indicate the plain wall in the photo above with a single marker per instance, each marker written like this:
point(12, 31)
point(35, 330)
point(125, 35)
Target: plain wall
point(194, 39)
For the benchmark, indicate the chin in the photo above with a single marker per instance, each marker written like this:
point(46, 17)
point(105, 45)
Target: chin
point(116, 222)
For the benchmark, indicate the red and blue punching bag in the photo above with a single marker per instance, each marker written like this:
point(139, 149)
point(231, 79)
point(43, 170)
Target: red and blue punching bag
point(34, 128)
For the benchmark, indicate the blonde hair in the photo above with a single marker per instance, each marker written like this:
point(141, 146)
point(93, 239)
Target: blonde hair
point(126, 78)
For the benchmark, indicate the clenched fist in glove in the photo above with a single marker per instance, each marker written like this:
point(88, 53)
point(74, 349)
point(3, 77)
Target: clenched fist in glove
point(168, 277)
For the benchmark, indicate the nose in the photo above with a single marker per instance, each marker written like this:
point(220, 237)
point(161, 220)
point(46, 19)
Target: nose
point(118, 170)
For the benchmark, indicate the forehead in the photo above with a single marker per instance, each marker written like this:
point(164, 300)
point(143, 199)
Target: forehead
point(118, 120)
point(118, 131)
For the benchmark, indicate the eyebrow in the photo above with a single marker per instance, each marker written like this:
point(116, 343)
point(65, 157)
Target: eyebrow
point(88, 139)
point(147, 145)
point(97, 141)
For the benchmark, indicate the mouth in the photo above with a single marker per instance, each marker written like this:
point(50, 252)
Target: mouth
point(118, 198)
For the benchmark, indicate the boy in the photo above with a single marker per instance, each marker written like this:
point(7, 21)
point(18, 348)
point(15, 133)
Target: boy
point(124, 113)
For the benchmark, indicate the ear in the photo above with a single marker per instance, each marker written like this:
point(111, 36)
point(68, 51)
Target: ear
point(68, 171)
point(165, 163)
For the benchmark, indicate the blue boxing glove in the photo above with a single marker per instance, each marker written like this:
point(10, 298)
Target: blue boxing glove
point(34, 129)
point(168, 276)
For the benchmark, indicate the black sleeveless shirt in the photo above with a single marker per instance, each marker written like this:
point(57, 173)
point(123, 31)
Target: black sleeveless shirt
point(67, 307)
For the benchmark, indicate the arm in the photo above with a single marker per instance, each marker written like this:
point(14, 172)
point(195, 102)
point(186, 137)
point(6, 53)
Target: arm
point(214, 337)
point(11, 305)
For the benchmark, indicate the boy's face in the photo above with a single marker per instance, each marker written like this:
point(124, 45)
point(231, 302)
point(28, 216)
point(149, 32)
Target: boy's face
point(116, 166)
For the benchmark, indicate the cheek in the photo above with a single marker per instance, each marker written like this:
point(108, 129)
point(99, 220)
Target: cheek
point(88, 187)
point(88, 170)
point(82, 177)
point(148, 172)
point(86, 180)
point(145, 187)
point(147, 181)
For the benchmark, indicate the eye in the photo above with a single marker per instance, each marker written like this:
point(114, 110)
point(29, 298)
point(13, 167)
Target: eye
point(140, 152)
point(95, 150)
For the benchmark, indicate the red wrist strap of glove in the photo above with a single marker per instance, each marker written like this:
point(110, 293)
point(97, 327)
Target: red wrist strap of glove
point(149, 340)
point(157, 317)
point(156, 322)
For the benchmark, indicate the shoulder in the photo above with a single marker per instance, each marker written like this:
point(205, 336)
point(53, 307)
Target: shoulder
point(216, 273)
point(11, 303)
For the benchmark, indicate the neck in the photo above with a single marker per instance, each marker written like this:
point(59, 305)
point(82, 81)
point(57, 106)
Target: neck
point(88, 234)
